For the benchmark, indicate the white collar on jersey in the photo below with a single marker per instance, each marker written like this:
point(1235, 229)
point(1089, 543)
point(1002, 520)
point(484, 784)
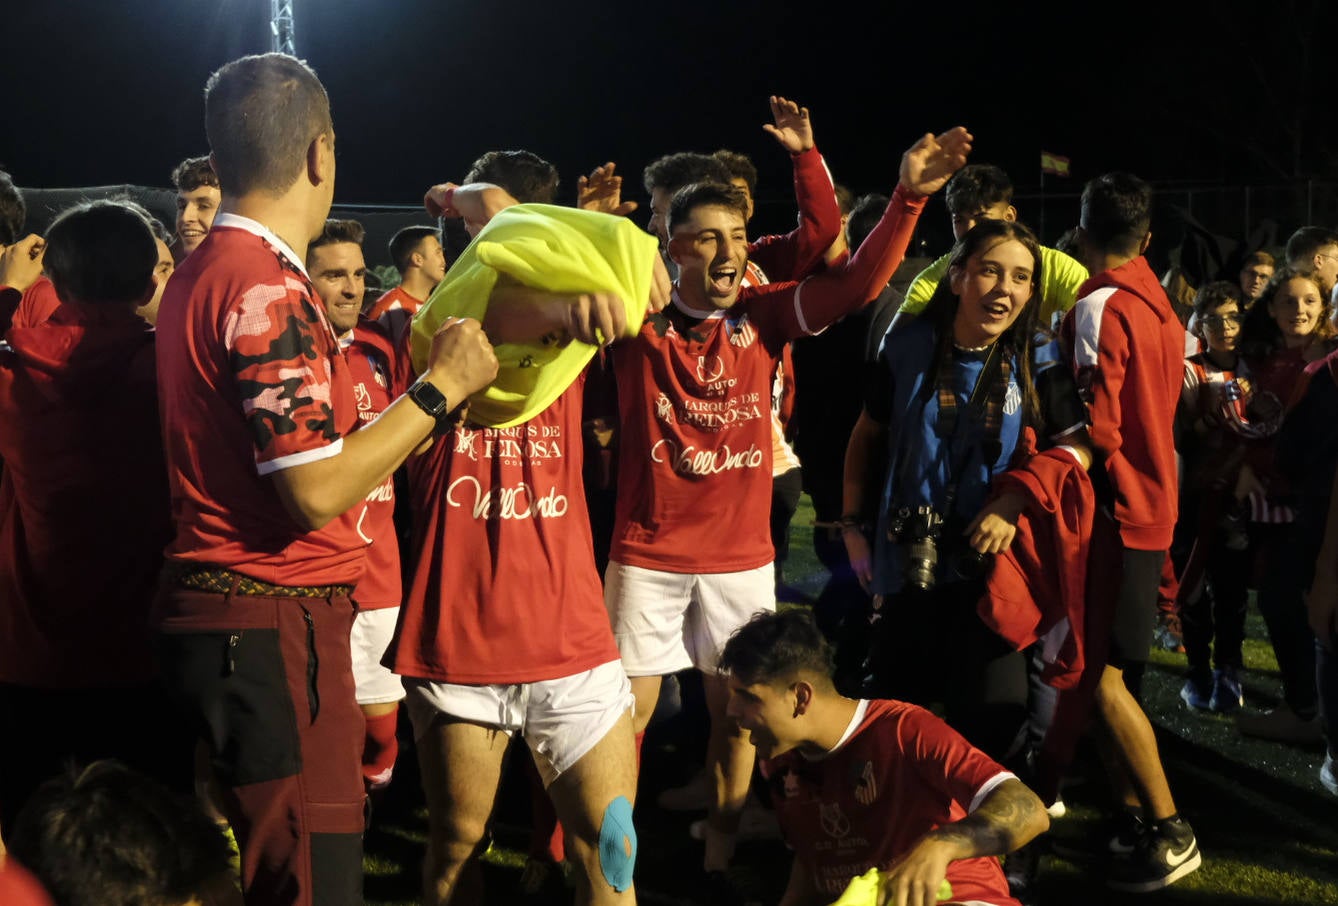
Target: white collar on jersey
point(861, 708)
point(238, 222)
point(691, 312)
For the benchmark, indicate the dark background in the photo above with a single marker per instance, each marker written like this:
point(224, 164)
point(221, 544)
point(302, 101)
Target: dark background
point(1202, 99)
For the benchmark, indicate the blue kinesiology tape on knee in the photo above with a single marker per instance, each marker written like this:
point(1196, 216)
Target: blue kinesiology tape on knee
point(617, 844)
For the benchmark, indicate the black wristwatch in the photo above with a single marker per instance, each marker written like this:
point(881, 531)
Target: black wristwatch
point(429, 398)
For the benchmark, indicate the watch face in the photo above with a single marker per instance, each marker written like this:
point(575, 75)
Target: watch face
point(429, 398)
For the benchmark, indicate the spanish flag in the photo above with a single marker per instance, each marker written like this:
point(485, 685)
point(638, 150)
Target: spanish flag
point(1054, 163)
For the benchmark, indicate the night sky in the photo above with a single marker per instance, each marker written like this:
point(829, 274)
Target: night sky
point(100, 92)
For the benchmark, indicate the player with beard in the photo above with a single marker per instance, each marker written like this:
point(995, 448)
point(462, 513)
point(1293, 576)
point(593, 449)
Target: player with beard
point(338, 273)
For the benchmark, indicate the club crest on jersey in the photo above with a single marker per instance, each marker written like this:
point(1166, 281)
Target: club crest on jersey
point(466, 442)
point(741, 332)
point(1012, 400)
point(834, 822)
point(363, 397)
point(664, 409)
point(866, 785)
point(716, 371)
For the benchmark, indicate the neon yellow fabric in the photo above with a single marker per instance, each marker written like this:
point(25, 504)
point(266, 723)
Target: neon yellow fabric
point(863, 890)
point(1061, 276)
point(545, 247)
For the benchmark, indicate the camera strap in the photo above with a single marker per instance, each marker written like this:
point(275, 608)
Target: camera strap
point(987, 396)
point(985, 405)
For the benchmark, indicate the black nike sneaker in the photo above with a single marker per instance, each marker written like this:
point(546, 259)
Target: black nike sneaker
point(1163, 855)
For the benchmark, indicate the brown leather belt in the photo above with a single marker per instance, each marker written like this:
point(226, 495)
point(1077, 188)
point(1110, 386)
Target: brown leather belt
point(227, 582)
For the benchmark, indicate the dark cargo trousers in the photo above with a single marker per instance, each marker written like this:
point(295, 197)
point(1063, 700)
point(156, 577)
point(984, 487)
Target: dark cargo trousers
point(268, 683)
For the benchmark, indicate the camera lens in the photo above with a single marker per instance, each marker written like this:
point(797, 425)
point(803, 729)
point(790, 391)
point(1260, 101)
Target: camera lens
point(921, 558)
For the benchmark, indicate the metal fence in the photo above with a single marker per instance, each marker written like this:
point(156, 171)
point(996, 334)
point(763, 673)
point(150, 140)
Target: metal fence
point(1237, 212)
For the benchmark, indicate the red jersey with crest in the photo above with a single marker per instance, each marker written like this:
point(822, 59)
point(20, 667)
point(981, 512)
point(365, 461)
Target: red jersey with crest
point(505, 588)
point(371, 356)
point(694, 391)
point(391, 300)
point(898, 773)
point(251, 380)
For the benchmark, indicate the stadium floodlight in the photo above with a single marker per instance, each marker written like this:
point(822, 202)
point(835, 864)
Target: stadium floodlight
point(281, 27)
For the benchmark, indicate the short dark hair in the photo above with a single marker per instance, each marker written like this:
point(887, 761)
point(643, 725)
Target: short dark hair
point(13, 211)
point(192, 173)
point(864, 216)
point(705, 194)
point(1305, 242)
point(100, 251)
point(261, 114)
point(1214, 295)
point(1116, 212)
point(159, 231)
point(155, 225)
point(674, 171)
point(338, 231)
point(740, 167)
point(776, 646)
point(528, 177)
point(454, 239)
point(107, 836)
point(1260, 257)
point(976, 187)
point(845, 199)
point(405, 242)
point(1068, 243)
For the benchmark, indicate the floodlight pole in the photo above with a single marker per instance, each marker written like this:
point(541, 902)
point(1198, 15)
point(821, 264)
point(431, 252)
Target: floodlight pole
point(281, 27)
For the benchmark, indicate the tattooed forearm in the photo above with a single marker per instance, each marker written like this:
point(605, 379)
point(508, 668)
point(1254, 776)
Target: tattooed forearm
point(1009, 818)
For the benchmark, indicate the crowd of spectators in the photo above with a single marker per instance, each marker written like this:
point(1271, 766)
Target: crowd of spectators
point(248, 507)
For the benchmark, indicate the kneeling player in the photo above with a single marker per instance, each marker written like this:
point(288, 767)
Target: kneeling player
point(870, 784)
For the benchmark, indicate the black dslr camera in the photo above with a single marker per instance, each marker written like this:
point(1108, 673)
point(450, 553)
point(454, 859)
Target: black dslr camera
point(919, 530)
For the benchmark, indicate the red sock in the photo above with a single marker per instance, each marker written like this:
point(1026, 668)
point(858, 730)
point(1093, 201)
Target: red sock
point(379, 749)
point(557, 843)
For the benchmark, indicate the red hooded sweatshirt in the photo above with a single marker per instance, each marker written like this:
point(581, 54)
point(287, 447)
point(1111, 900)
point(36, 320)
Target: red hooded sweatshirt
point(1127, 349)
point(84, 508)
point(1037, 590)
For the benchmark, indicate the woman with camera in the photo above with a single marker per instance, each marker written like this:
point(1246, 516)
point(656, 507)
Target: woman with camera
point(959, 395)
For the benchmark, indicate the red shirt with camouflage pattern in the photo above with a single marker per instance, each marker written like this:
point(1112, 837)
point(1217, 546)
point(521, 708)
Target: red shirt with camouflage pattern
point(251, 381)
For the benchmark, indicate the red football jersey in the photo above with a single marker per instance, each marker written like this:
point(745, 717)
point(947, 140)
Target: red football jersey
point(370, 359)
point(392, 299)
point(898, 773)
point(251, 380)
point(505, 588)
point(694, 392)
